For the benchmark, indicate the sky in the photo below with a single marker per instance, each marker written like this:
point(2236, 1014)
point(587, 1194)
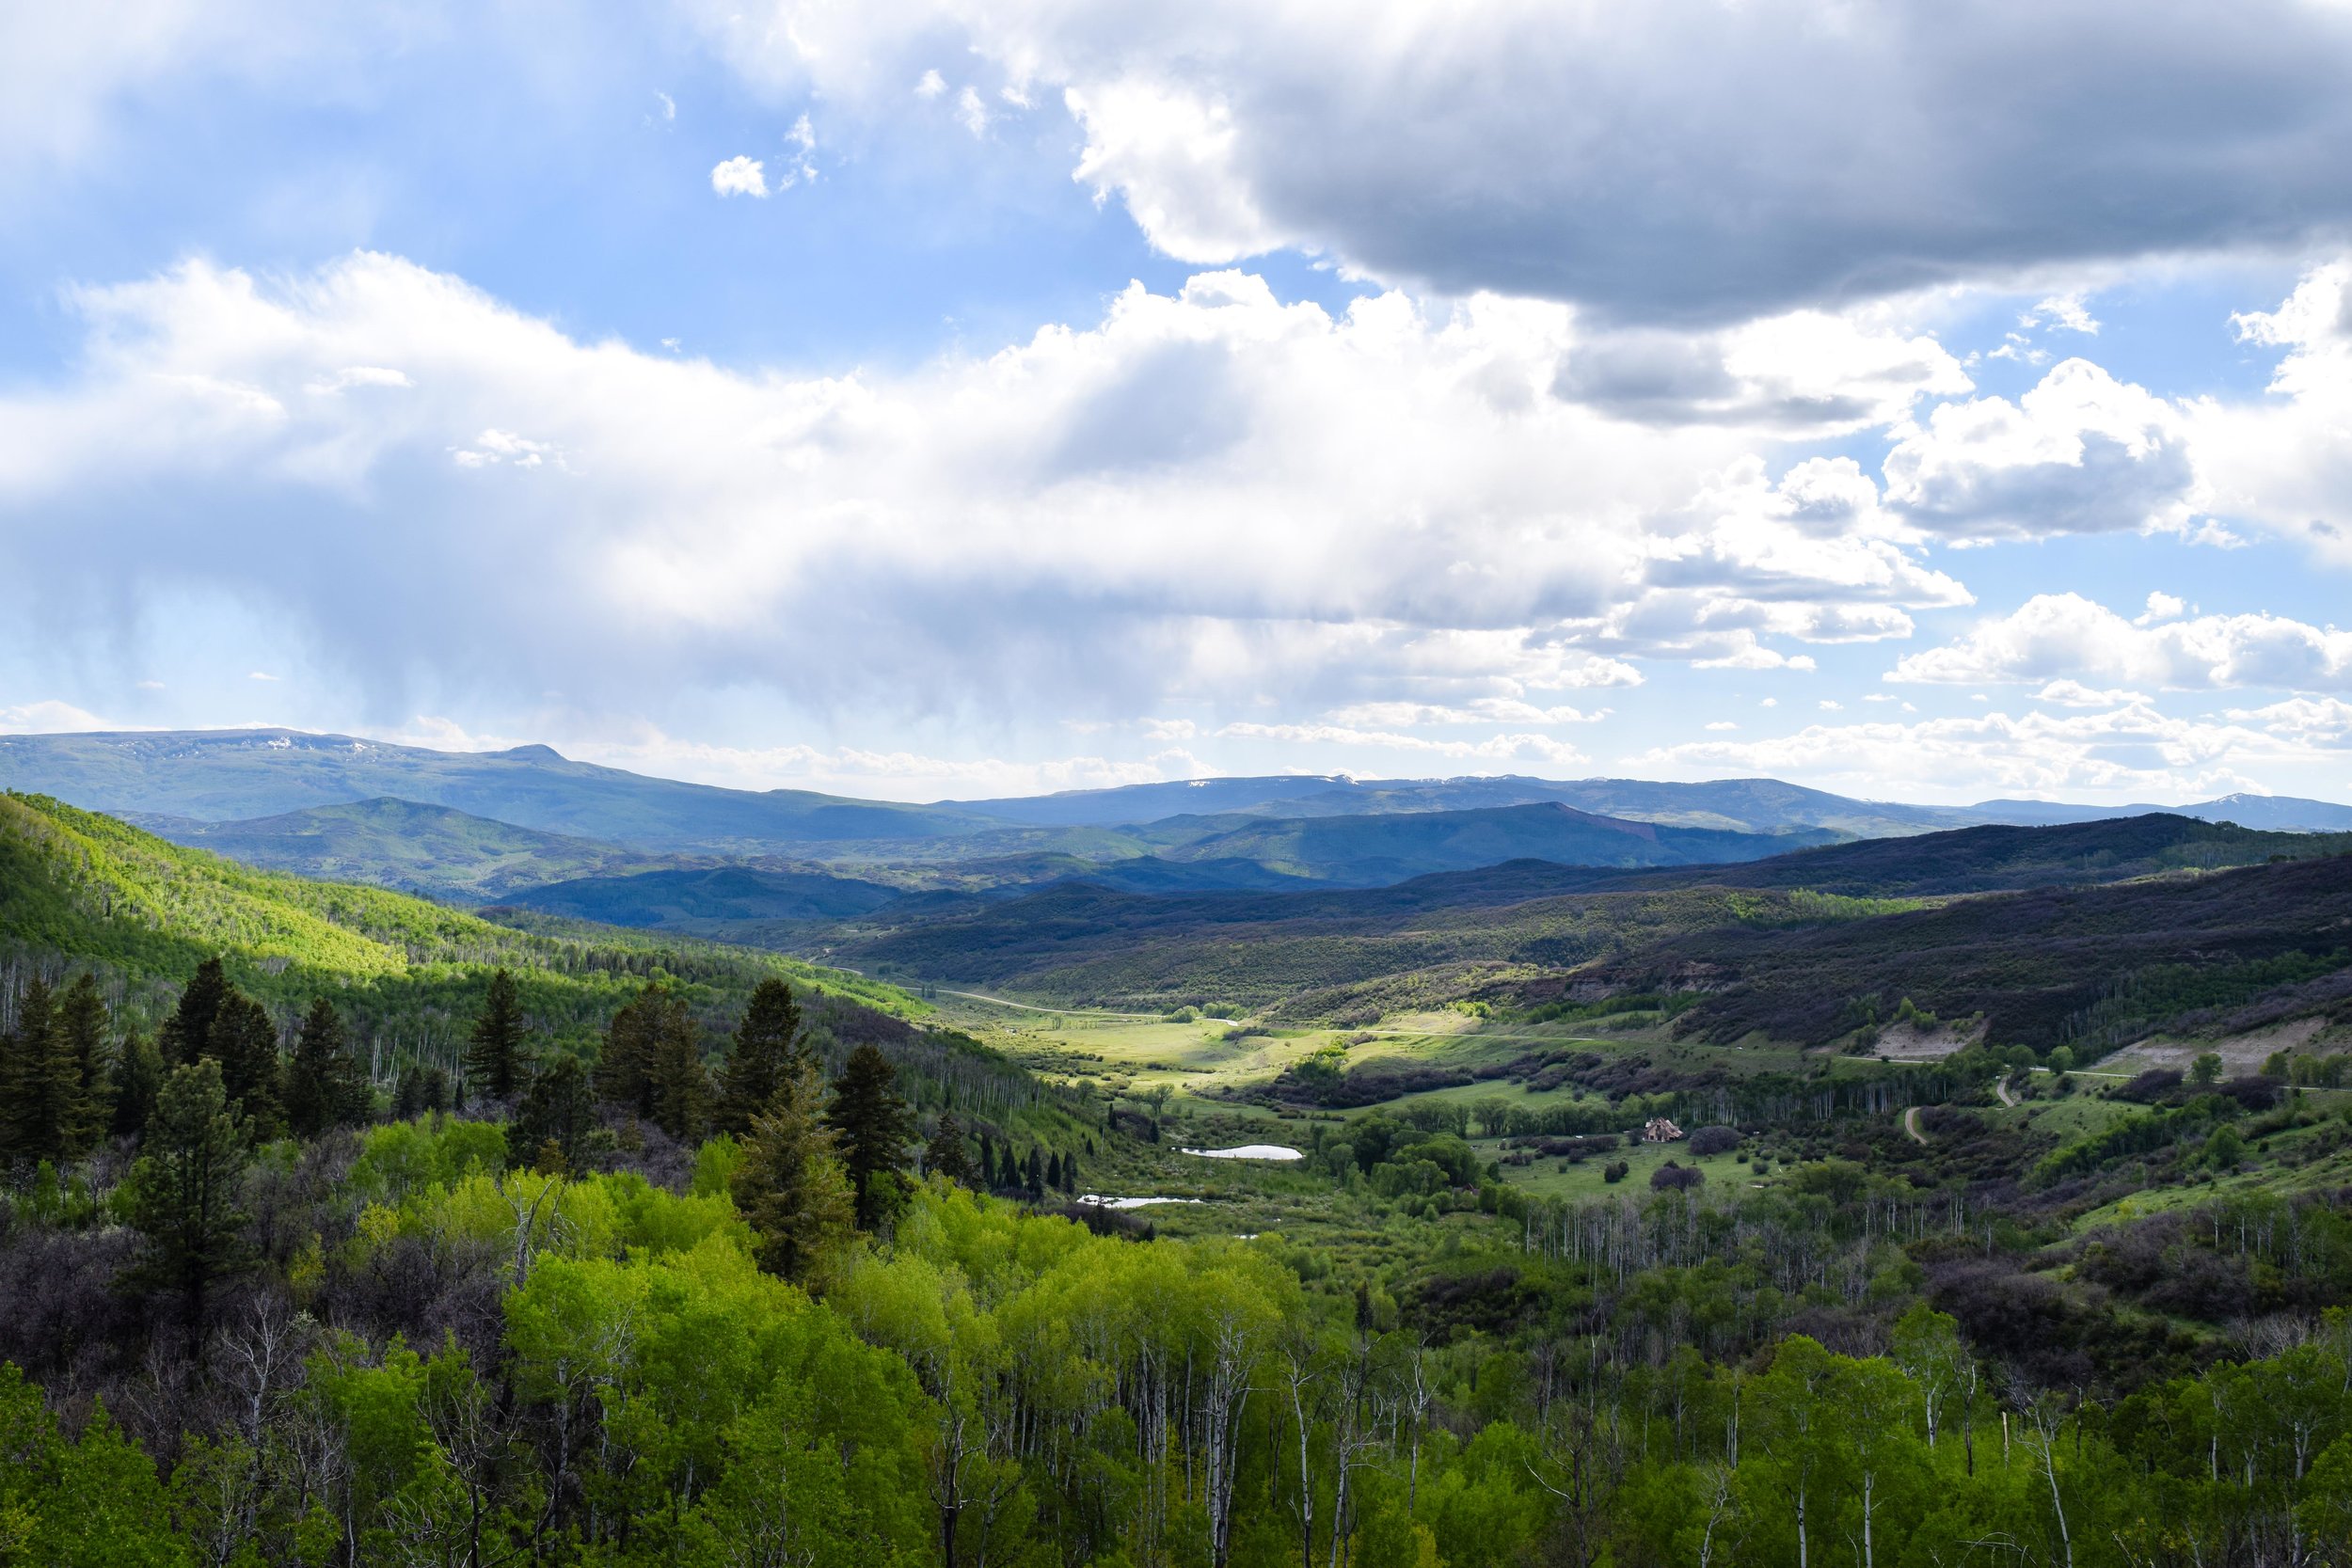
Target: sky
point(953, 400)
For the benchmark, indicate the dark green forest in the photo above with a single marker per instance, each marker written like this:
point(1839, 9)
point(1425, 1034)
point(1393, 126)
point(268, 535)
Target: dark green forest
point(695, 1260)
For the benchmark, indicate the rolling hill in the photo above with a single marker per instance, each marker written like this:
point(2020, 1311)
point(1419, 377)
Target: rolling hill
point(1802, 934)
point(1377, 850)
point(220, 775)
point(81, 889)
point(434, 851)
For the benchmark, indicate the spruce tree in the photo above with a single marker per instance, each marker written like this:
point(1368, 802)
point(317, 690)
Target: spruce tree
point(1053, 1172)
point(138, 1080)
point(324, 1087)
point(190, 1024)
point(874, 1126)
point(557, 1110)
point(945, 1155)
point(765, 1055)
point(791, 1187)
point(42, 1091)
point(184, 1188)
point(680, 1082)
point(1033, 1177)
point(988, 1162)
point(243, 1041)
point(83, 1025)
point(632, 1042)
point(494, 1059)
point(1069, 1183)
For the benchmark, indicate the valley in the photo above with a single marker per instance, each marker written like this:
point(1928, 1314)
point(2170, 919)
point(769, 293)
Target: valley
point(2047, 1123)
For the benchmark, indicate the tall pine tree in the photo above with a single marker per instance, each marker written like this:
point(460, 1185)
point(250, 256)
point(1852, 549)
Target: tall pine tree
point(83, 1025)
point(243, 1041)
point(874, 1126)
point(325, 1085)
point(791, 1186)
point(494, 1058)
point(138, 1078)
point(190, 1024)
point(183, 1189)
point(946, 1154)
point(765, 1055)
point(652, 1063)
point(42, 1092)
point(556, 1113)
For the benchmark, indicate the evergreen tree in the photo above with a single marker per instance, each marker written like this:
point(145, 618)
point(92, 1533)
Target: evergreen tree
point(988, 1162)
point(184, 1188)
point(557, 1109)
point(1033, 1178)
point(765, 1055)
point(42, 1093)
point(791, 1187)
point(83, 1025)
point(945, 1155)
point(1053, 1172)
point(324, 1087)
point(136, 1085)
point(648, 1049)
point(244, 1042)
point(190, 1024)
point(495, 1057)
point(681, 1085)
point(1069, 1183)
point(874, 1126)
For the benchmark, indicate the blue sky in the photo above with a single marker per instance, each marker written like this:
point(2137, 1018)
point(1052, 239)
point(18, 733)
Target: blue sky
point(1926, 402)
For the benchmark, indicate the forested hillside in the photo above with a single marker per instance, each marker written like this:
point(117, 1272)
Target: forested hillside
point(679, 1260)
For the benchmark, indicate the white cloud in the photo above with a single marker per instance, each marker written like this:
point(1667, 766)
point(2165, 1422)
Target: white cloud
point(800, 166)
point(2081, 453)
point(2068, 694)
point(1500, 748)
point(2065, 637)
point(357, 375)
point(1723, 725)
point(931, 84)
point(740, 176)
point(2285, 461)
point(2131, 753)
point(2064, 311)
point(49, 717)
point(669, 105)
point(1203, 488)
point(1806, 372)
point(2320, 721)
point(971, 112)
point(1480, 710)
point(2161, 607)
point(1681, 158)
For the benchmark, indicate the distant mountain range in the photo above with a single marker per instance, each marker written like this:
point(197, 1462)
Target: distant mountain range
point(224, 775)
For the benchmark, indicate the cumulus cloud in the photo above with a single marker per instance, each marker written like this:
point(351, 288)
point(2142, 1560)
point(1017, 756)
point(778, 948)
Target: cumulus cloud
point(2067, 638)
point(2285, 461)
point(1684, 158)
point(1804, 373)
point(1204, 493)
point(2127, 752)
point(2080, 453)
point(740, 176)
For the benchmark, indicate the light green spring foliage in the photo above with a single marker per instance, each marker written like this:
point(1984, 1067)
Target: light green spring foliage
point(88, 887)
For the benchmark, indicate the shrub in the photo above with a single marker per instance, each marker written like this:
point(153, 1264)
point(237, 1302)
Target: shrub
point(1714, 1140)
point(1614, 1170)
point(1670, 1178)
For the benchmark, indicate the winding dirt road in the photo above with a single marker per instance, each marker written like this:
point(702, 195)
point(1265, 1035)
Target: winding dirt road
point(1911, 1125)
